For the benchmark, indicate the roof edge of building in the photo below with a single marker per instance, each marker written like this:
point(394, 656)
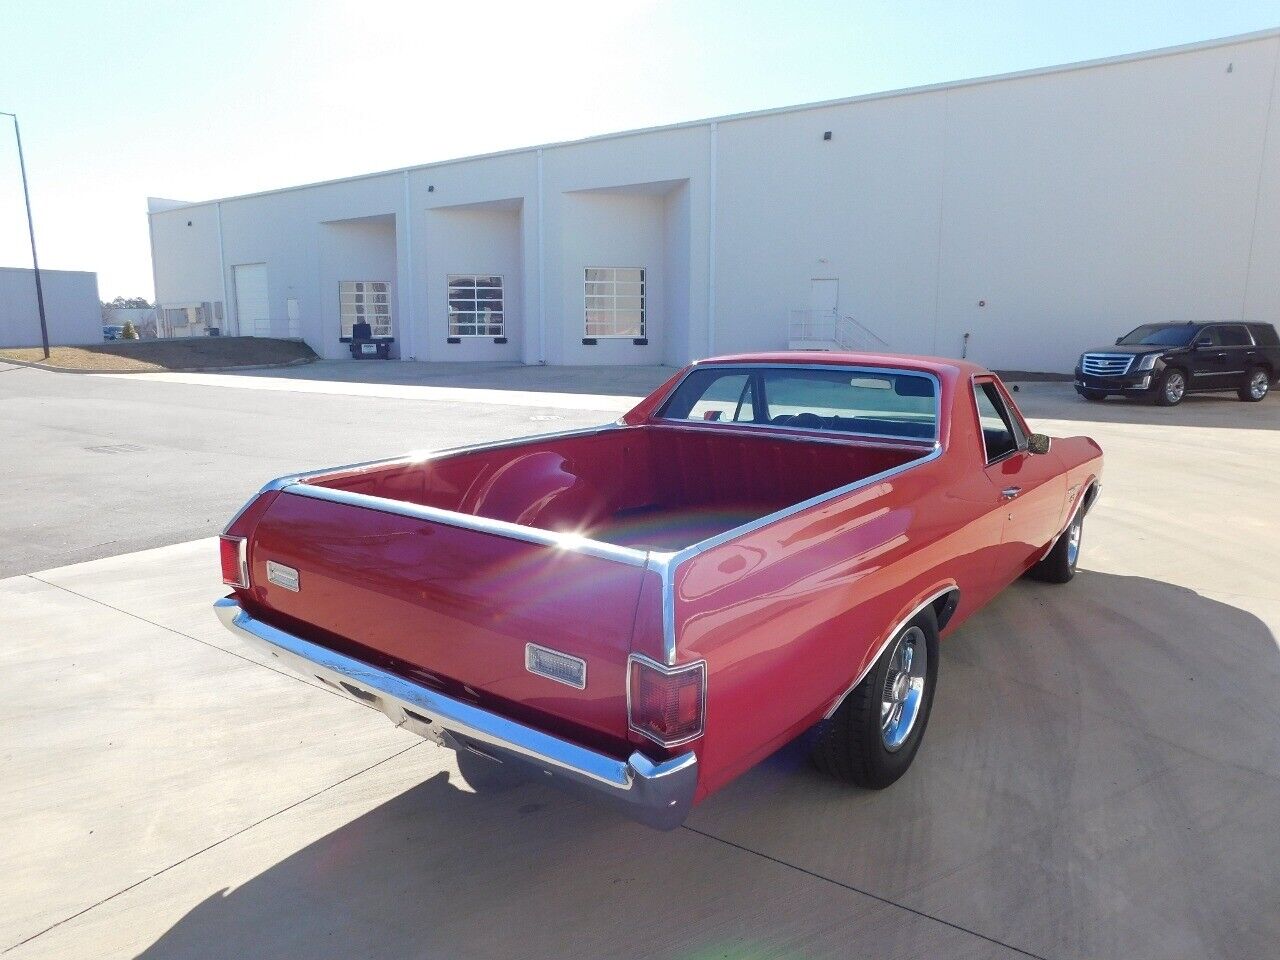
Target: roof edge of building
point(1118, 59)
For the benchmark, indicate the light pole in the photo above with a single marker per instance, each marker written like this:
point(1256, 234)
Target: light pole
point(35, 263)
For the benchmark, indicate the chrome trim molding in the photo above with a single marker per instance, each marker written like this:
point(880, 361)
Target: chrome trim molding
point(669, 671)
point(657, 794)
point(467, 521)
point(885, 645)
point(289, 480)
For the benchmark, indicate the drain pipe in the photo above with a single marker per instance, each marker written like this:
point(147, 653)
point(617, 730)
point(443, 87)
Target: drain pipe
point(964, 347)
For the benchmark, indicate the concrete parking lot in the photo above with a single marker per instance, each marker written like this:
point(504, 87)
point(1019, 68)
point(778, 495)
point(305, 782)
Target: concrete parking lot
point(1101, 775)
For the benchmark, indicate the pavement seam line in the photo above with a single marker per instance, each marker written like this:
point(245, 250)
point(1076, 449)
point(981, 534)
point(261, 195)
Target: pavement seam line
point(866, 893)
point(216, 843)
point(206, 643)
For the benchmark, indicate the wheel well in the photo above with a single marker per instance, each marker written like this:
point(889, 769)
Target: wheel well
point(945, 606)
point(1090, 495)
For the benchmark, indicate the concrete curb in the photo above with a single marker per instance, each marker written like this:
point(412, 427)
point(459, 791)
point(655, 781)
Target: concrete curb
point(301, 361)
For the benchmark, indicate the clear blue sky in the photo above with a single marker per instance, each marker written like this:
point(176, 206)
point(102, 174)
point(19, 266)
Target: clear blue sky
point(198, 100)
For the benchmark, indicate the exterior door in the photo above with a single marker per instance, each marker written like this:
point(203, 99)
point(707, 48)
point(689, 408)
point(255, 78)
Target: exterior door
point(252, 313)
point(1032, 486)
point(824, 297)
point(1208, 361)
point(1239, 354)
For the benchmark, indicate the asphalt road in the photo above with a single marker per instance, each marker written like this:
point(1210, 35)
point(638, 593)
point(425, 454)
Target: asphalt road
point(1100, 778)
point(93, 466)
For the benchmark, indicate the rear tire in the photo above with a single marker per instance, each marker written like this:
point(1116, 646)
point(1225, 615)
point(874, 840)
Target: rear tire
point(1171, 388)
point(1093, 396)
point(1059, 566)
point(1257, 384)
point(861, 743)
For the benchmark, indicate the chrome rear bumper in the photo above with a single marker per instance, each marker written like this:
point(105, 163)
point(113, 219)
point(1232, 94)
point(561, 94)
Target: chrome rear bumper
point(657, 794)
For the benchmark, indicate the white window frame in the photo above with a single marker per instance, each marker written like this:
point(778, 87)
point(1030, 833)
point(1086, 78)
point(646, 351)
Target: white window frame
point(601, 299)
point(475, 324)
point(347, 321)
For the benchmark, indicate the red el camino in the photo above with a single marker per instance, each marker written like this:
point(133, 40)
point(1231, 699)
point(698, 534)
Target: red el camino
point(644, 610)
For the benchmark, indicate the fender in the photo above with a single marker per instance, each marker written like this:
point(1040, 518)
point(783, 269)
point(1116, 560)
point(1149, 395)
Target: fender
point(1084, 503)
point(932, 597)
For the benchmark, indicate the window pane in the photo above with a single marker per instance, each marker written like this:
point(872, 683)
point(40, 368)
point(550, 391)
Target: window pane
point(599, 273)
point(462, 283)
point(997, 431)
point(625, 274)
point(365, 301)
point(845, 400)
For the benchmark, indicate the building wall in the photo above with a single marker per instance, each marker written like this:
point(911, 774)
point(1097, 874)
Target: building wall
point(1037, 214)
point(360, 249)
point(476, 239)
point(73, 312)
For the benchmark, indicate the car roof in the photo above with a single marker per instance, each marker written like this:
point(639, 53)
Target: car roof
point(942, 367)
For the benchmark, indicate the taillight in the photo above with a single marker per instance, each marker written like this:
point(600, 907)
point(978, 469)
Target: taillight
point(666, 704)
point(235, 562)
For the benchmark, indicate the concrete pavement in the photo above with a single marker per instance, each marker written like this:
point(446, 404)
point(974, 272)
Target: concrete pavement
point(1101, 775)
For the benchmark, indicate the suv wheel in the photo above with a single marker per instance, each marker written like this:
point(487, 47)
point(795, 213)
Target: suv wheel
point(1257, 384)
point(1171, 388)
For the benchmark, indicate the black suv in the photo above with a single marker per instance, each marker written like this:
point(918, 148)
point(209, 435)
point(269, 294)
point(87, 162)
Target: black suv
point(1166, 361)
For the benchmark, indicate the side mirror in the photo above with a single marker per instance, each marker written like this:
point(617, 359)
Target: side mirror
point(1039, 443)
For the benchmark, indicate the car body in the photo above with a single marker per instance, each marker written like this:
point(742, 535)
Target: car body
point(1166, 361)
point(113, 331)
point(644, 610)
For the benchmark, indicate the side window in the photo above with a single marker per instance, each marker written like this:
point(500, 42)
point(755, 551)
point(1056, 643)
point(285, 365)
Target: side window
point(1212, 334)
point(1264, 335)
point(999, 433)
point(727, 400)
point(1235, 336)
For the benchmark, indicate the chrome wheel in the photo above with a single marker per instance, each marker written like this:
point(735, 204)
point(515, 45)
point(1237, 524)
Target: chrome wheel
point(1175, 385)
point(1073, 543)
point(903, 692)
point(1259, 385)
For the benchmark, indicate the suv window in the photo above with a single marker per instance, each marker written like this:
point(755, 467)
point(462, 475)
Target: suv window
point(1234, 336)
point(1209, 337)
point(999, 432)
point(1264, 335)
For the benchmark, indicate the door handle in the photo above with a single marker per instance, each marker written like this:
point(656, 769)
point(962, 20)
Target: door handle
point(1011, 492)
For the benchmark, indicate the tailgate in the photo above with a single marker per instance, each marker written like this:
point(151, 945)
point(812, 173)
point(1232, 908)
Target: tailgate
point(456, 604)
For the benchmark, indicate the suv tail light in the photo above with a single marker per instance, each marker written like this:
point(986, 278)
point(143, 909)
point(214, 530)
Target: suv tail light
point(666, 704)
point(235, 563)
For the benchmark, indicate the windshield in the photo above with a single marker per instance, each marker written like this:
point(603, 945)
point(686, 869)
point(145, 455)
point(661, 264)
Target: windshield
point(841, 399)
point(1160, 334)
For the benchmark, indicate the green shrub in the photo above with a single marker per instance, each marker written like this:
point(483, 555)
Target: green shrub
point(130, 332)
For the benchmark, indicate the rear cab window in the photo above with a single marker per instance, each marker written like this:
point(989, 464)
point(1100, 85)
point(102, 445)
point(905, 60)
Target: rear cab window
point(883, 403)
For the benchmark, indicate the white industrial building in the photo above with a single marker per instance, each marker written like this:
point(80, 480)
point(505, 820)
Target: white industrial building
point(73, 312)
point(1015, 219)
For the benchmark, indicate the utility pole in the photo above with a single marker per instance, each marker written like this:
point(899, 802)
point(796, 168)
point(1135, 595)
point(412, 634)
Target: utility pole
point(35, 263)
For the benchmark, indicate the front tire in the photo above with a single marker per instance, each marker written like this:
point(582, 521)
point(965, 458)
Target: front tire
point(1059, 565)
point(1171, 388)
point(874, 734)
point(1257, 384)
